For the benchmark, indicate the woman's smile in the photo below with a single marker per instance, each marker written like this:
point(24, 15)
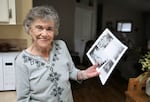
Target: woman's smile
point(42, 33)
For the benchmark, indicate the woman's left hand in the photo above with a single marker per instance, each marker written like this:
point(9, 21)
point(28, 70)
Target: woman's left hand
point(91, 71)
point(88, 73)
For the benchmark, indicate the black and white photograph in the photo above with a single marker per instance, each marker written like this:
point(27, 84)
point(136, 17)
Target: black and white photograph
point(106, 51)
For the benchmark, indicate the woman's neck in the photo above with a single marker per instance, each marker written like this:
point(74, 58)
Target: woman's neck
point(43, 52)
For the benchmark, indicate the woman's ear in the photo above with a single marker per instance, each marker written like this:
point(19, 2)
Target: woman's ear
point(29, 31)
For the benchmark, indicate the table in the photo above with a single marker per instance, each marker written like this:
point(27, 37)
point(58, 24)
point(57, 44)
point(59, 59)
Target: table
point(7, 96)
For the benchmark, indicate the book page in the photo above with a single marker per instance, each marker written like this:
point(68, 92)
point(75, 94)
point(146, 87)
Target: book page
point(107, 50)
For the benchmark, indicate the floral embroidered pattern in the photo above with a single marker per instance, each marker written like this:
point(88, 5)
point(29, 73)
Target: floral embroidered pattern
point(33, 61)
point(57, 92)
point(54, 77)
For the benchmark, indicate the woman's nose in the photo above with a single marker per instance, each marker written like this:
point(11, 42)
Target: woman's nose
point(44, 32)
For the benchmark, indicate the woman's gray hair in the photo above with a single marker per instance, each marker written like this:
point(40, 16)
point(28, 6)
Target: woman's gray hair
point(45, 13)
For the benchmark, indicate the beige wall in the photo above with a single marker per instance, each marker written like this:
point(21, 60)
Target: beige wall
point(17, 31)
point(14, 32)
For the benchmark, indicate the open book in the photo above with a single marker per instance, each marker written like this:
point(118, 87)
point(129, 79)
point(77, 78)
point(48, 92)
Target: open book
point(107, 50)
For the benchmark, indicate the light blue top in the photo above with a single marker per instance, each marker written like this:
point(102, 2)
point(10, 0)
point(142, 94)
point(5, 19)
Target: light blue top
point(38, 80)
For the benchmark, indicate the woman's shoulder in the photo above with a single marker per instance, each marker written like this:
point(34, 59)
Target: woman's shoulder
point(20, 55)
point(60, 42)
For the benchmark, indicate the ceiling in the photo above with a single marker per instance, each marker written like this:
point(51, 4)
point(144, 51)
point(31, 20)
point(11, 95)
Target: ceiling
point(140, 5)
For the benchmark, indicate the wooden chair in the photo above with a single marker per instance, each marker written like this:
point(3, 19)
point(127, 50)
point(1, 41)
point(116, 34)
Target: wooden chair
point(136, 89)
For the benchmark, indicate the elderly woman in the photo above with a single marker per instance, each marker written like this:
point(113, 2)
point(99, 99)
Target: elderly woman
point(43, 69)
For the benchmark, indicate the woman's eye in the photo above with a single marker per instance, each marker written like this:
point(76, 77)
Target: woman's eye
point(39, 27)
point(50, 28)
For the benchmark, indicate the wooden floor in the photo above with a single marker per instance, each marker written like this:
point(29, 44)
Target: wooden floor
point(92, 90)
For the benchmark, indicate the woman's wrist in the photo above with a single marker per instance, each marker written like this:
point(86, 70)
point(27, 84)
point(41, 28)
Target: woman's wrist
point(82, 75)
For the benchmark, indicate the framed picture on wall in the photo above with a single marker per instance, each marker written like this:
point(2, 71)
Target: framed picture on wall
point(124, 26)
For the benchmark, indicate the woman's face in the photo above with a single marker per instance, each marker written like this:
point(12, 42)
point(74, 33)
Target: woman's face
point(42, 33)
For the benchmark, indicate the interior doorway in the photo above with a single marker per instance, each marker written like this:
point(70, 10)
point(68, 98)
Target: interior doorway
point(83, 28)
